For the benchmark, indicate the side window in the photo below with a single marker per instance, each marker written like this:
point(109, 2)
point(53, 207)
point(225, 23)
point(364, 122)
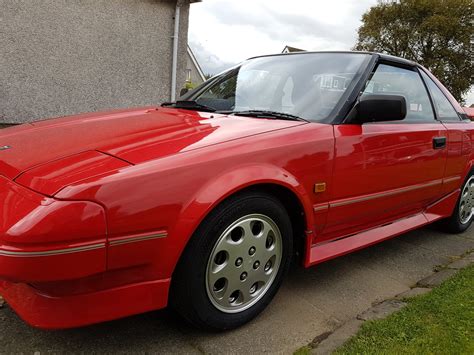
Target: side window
point(443, 107)
point(399, 81)
point(225, 89)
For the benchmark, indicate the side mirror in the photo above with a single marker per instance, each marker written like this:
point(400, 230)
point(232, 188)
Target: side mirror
point(183, 91)
point(379, 108)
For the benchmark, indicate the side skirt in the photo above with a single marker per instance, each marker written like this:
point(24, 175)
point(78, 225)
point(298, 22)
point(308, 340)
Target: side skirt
point(318, 253)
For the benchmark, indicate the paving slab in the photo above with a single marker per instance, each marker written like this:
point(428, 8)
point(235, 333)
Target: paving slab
point(462, 263)
point(382, 310)
point(437, 278)
point(416, 291)
point(338, 338)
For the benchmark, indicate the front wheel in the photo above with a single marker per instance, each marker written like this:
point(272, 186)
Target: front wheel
point(463, 213)
point(234, 263)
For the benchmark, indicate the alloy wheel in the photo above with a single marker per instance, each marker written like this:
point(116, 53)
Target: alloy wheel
point(466, 202)
point(243, 263)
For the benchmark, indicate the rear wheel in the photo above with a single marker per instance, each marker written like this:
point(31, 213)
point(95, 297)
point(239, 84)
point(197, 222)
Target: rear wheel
point(234, 263)
point(463, 214)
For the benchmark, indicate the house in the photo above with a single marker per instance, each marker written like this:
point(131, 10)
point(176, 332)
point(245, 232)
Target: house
point(194, 74)
point(289, 49)
point(66, 57)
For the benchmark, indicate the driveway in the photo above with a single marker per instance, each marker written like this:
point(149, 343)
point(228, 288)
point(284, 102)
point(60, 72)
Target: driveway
point(311, 302)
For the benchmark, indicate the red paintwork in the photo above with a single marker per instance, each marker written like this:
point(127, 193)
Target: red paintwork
point(383, 157)
point(51, 177)
point(86, 308)
point(33, 223)
point(110, 180)
point(321, 252)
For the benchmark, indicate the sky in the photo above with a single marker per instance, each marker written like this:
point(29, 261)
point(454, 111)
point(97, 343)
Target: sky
point(223, 33)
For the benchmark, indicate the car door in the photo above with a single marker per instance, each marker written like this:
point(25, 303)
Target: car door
point(387, 170)
point(459, 142)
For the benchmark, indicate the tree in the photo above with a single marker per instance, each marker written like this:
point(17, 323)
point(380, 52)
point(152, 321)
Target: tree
point(438, 34)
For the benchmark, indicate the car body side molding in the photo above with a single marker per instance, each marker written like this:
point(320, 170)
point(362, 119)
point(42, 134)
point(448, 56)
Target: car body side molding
point(332, 249)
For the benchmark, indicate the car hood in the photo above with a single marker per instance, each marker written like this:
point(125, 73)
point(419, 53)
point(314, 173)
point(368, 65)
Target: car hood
point(129, 136)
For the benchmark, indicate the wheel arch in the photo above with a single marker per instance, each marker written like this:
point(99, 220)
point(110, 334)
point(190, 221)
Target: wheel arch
point(269, 179)
point(469, 170)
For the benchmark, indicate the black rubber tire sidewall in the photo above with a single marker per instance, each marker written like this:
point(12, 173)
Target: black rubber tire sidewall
point(453, 224)
point(189, 295)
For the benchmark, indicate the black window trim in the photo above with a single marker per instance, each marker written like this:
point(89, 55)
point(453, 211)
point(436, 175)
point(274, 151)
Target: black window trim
point(351, 97)
point(435, 110)
point(403, 64)
point(343, 111)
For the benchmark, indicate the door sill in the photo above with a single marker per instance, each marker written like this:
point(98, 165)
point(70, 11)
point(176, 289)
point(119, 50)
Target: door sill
point(329, 250)
point(324, 251)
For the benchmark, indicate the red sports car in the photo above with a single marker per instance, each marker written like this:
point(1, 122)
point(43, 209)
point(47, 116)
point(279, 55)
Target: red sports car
point(203, 203)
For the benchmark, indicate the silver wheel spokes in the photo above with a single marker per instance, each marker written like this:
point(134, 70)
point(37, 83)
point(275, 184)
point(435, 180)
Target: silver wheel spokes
point(466, 202)
point(244, 263)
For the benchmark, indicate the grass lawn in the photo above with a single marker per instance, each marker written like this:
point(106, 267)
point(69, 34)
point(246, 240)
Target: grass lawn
point(440, 322)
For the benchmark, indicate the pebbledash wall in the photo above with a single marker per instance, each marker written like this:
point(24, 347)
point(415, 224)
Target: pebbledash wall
point(61, 57)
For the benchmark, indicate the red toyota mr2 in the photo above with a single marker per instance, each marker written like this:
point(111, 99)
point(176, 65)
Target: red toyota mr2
point(203, 203)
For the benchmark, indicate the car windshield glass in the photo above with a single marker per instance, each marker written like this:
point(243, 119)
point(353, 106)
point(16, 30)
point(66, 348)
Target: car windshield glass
point(304, 85)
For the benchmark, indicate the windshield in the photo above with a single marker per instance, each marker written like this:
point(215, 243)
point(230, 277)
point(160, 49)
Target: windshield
point(309, 86)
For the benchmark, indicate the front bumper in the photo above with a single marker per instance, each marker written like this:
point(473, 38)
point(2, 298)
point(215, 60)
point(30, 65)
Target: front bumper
point(47, 312)
point(53, 263)
point(43, 239)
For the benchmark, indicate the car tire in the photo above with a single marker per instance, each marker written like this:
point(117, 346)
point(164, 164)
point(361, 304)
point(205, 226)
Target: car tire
point(234, 263)
point(462, 216)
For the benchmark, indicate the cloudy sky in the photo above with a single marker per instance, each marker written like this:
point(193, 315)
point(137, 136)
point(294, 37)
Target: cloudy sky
point(225, 32)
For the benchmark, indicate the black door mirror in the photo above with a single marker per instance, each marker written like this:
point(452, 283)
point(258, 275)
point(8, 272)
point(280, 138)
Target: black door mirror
point(379, 108)
point(183, 91)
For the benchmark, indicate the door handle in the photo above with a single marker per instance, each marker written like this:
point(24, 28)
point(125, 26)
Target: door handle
point(439, 142)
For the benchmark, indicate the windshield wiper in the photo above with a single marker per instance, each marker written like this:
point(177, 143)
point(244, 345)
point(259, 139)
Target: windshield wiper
point(189, 105)
point(269, 114)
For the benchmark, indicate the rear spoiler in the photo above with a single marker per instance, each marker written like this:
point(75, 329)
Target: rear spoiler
point(469, 112)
